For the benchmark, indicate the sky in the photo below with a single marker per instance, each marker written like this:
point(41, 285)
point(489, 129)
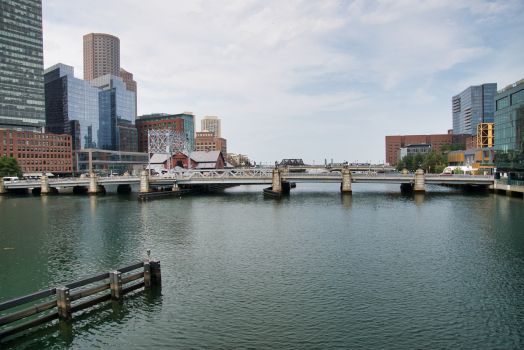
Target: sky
point(302, 79)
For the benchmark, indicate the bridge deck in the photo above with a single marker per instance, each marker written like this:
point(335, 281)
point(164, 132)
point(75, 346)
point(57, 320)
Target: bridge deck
point(256, 177)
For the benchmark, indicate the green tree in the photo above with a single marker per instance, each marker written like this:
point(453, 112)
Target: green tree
point(408, 160)
point(9, 167)
point(419, 158)
point(435, 162)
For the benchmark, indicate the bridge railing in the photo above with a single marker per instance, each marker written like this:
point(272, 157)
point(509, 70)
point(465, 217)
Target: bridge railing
point(216, 174)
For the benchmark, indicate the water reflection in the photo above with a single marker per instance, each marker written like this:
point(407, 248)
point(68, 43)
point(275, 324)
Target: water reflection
point(316, 269)
point(347, 200)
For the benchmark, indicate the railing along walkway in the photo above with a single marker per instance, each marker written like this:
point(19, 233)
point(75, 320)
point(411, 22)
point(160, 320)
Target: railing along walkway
point(64, 296)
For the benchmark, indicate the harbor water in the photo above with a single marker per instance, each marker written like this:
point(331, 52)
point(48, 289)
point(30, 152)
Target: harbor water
point(377, 269)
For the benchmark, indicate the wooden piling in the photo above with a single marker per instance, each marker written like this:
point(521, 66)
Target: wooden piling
point(63, 301)
point(115, 282)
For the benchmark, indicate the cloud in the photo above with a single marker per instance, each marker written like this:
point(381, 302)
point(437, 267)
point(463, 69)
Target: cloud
point(307, 77)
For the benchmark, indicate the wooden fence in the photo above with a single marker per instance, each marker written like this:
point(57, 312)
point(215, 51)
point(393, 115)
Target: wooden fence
point(64, 296)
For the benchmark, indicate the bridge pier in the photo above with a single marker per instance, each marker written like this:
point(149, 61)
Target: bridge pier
point(3, 190)
point(420, 181)
point(94, 187)
point(277, 181)
point(45, 189)
point(144, 182)
point(345, 187)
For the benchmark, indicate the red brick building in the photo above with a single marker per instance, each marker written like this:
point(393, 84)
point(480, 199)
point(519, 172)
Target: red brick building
point(395, 143)
point(37, 152)
point(183, 122)
point(206, 141)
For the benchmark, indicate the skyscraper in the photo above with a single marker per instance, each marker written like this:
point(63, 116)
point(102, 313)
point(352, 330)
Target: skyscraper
point(21, 65)
point(130, 84)
point(71, 106)
point(472, 106)
point(116, 110)
point(212, 124)
point(101, 55)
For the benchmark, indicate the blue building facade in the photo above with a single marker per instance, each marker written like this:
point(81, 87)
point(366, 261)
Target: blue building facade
point(116, 107)
point(91, 112)
point(71, 106)
point(472, 106)
point(509, 130)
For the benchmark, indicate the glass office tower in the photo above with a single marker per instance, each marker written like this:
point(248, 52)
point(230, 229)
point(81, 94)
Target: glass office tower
point(71, 106)
point(116, 106)
point(509, 130)
point(472, 106)
point(21, 65)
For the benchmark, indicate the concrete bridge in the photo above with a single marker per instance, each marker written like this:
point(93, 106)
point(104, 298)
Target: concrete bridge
point(279, 180)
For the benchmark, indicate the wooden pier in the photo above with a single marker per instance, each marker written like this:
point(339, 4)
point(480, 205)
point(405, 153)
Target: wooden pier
point(117, 284)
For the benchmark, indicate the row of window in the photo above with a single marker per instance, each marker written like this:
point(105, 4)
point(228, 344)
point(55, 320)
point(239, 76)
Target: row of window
point(37, 136)
point(158, 126)
point(23, 149)
point(58, 168)
point(44, 162)
point(513, 99)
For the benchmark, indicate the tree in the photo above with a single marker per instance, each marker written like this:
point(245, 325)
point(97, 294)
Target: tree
point(434, 162)
point(9, 167)
point(408, 160)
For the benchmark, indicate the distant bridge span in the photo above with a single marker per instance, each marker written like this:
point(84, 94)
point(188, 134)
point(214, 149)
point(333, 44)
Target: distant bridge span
point(278, 179)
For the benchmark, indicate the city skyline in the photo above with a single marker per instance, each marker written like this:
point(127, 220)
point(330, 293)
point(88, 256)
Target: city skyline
point(303, 79)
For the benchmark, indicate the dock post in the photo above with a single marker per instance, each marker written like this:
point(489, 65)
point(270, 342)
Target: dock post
point(94, 187)
point(63, 301)
point(277, 181)
point(144, 182)
point(420, 181)
point(115, 282)
point(156, 275)
point(147, 274)
point(345, 187)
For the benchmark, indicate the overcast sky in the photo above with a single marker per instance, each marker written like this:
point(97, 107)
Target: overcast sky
point(301, 79)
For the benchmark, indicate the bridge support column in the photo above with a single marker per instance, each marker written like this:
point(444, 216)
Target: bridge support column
point(345, 187)
point(144, 182)
point(277, 181)
point(420, 181)
point(94, 187)
point(44, 186)
point(2, 188)
point(175, 187)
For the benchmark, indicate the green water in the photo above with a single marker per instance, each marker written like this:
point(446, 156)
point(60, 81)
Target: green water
point(316, 270)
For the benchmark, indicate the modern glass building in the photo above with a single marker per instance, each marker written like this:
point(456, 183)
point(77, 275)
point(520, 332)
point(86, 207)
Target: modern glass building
point(71, 106)
point(509, 130)
point(21, 65)
point(107, 162)
point(116, 105)
point(471, 107)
